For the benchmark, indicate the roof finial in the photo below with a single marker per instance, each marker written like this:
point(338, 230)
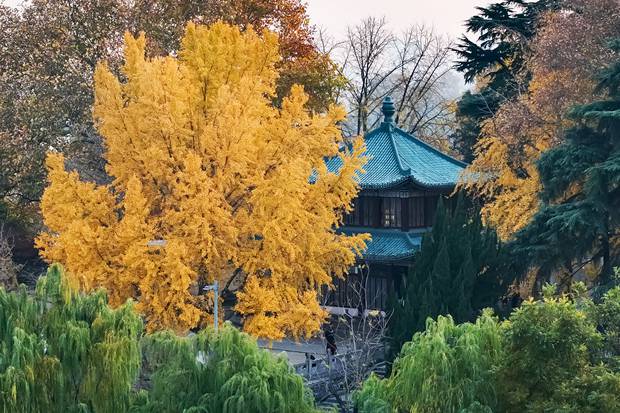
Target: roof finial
point(388, 110)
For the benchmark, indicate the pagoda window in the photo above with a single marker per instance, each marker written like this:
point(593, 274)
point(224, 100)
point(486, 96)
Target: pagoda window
point(366, 212)
point(391, 213)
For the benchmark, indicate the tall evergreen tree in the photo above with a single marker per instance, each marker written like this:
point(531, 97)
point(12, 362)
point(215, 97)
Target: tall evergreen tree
point(579, 222)
point(503, 29)
point(456, 272)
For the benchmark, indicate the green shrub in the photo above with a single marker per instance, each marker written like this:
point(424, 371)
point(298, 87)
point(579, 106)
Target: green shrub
point(555, 355)
point(557, 359)
point(373, 396)
point(606, 315)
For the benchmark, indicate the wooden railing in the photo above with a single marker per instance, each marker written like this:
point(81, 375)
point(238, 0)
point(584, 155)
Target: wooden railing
point(334, 376)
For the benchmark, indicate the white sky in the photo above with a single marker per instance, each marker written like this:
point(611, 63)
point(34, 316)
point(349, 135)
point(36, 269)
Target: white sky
point(10, 2)
point(447, 16)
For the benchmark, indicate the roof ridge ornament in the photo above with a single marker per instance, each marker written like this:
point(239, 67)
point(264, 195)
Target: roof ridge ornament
point(388, 110)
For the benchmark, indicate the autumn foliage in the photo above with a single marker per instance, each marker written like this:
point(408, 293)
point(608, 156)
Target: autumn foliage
point(562, 60)
point(200, 157)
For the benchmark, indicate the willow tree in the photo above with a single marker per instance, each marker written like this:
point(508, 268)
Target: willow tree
point(446, 368)
point(236, 187)
point(66, 352)
point(225, 372)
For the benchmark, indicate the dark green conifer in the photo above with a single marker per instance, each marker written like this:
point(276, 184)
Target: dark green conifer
point(456, 272)
point(498, 56)
point(441, 278)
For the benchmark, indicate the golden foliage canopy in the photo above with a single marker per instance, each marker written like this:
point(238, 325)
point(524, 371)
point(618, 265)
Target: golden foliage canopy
point(200, 157)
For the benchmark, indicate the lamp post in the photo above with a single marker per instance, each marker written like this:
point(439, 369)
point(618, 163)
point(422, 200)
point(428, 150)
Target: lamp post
point(211, 287)
point(216, 291)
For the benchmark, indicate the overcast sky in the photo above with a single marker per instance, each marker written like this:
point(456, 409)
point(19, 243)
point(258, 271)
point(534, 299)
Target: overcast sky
point(447, 16)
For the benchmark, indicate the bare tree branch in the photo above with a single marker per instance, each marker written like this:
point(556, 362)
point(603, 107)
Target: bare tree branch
point(411, 67)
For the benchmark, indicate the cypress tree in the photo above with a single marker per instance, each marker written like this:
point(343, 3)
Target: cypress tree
point(441, 278)
point(457, 271)
point(463, 287)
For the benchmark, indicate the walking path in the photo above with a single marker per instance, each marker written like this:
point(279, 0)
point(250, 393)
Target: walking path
point(294, 351)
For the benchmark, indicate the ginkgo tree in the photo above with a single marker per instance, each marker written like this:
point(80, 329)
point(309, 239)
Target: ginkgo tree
point(199, 156)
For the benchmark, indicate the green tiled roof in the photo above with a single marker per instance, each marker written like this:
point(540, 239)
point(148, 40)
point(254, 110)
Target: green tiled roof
point(396, 157)
point(387, 244)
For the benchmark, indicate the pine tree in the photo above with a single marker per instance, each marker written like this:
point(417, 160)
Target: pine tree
point(559, 47)
point(457, 271)
point(580, 218)
point(498, 54)
point(494, 60)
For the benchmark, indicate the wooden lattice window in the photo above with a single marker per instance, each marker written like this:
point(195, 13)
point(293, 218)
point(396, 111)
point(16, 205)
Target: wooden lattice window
point(391, 213)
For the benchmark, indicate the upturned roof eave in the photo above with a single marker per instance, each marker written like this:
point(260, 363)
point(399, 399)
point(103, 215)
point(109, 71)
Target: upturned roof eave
point(413, 239)
point(407, 179)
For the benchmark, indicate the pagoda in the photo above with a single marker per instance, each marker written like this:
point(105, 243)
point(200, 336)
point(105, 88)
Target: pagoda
point(399, 191)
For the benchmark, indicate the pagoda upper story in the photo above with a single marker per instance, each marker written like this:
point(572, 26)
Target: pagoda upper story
point(403, 180)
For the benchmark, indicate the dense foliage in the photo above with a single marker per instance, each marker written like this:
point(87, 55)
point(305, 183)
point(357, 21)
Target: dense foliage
point(219, 373)
point(65, 352)
point(62, 351)
point(49, 50)
point(203, 160)
point(556, 359)
point(579, 221)
point(456, 272)
point(446, 368)
point(558, 354)
point(444, 357)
